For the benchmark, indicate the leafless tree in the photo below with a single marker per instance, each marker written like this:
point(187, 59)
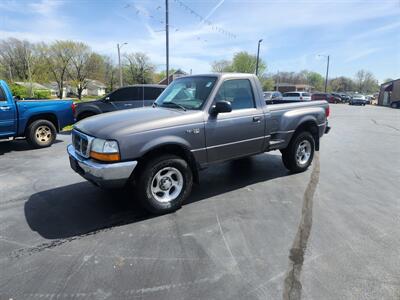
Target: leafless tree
point(138, 68)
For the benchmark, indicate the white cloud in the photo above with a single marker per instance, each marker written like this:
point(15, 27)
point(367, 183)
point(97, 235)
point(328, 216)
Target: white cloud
point(361, 54)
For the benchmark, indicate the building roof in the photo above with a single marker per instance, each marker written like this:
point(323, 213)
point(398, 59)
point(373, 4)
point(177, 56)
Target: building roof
point(34, 85)
point(293, 84)
point(171, 76)
point(93, 84)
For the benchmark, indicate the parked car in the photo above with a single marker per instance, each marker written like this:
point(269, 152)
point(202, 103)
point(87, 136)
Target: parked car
point(123, 98)
point(296, 96)
point(357, 100)
point(271, 96)
point(343, 97)
point(196, 122)
point(325, 96)
point(395, 104)
point(36, 120)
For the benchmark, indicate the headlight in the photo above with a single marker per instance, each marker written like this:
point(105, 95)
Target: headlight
point(105, 150)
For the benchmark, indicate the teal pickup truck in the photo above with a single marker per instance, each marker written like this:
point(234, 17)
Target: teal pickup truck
point(38, 121)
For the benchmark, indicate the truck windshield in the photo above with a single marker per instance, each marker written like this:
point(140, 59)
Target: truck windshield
point(188, 93)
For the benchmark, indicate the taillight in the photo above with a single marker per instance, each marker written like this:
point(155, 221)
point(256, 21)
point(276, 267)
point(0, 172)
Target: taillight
point(73, 106)
point(327, 111)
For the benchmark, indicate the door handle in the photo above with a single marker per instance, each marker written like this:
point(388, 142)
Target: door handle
point(257, 119)
point(5, 108)
point(128, 104)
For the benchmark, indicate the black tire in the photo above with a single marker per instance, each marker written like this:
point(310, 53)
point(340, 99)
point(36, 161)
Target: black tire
point(147, 179)
point(41, 133)
point(289, 154)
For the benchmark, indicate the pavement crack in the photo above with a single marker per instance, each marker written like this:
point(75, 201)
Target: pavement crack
point(385, 125)
point(292, 285)
point(122, 220)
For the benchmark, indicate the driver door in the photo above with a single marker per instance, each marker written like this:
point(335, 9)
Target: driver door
point(239, 132)
point(7, 116)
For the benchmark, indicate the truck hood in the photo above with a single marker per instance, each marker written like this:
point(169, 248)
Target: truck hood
point(122, 123)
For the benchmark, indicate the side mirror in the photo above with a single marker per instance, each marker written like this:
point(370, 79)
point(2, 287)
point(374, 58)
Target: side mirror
point(222, 107)
point(107, 98)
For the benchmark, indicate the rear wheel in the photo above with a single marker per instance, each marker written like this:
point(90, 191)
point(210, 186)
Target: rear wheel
point(298, 156)
point(395, 105)
point(41, 133)
point(164, 184)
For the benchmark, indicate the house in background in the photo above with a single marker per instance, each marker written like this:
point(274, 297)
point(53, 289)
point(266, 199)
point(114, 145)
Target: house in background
point(291, 87)
point(389, 92)
point(53, 87)
point(33, 85)
point(178, 73)
point(93, 88)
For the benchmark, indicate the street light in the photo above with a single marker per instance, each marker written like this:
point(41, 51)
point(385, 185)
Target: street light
point(258, 55)
point(119, 62)
point(327, 69)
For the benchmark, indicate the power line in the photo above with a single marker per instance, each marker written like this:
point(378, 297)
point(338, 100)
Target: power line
point(205, 21)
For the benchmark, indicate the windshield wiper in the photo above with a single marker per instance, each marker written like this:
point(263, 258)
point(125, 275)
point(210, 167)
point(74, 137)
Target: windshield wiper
point(174, 104)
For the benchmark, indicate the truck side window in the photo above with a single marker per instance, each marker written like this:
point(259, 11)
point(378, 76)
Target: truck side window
point(238, 92)
point(2, 95)
point(125, 94)
point(151, 93)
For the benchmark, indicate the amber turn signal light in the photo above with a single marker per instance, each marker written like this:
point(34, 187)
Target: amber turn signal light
point(108, 157)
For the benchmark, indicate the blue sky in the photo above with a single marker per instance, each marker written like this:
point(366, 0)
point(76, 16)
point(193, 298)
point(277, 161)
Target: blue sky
point(356, 34)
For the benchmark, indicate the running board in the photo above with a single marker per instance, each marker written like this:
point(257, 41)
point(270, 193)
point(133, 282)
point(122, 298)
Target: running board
point(274, 144)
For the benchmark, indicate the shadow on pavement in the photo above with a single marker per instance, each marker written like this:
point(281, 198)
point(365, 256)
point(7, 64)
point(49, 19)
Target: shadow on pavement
point(82, 208)
point(19, 145)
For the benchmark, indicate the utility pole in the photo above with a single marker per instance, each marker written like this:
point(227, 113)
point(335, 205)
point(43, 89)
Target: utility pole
point(258, 55)
point(327, 70)
point(119, 63)
point(29, 74)
point(277, 82)
point(167, 41)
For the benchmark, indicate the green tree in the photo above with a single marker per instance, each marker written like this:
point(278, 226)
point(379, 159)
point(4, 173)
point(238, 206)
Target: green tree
point(84, 65)
point(220, 66)
point(316, 80)
point(366, 82)
point(342, 84)
point(58, 57)
point(244, 62)
point(138, 68)
point(268, 83)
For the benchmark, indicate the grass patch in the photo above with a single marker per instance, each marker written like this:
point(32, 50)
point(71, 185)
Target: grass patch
point(68, 128)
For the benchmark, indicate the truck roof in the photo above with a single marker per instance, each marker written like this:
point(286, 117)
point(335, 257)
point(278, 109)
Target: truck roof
point(222, 75)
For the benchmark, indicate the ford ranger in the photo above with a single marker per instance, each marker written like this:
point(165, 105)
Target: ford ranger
point(36, 120)
point(197, 121)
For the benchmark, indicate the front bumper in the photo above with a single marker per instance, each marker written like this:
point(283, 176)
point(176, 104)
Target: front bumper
point(107, 175)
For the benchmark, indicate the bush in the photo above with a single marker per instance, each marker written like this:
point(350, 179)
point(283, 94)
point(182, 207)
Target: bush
point(19, 91)
point(41, 94)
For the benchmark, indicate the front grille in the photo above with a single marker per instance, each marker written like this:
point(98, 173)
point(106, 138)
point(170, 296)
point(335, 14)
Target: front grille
point(81, 143)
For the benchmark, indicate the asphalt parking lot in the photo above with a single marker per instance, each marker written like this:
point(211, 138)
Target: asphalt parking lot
point(251, 230)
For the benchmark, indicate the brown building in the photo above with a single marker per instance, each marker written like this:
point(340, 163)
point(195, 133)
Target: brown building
point(389, 92)
point(173, 76)
point(291, 87)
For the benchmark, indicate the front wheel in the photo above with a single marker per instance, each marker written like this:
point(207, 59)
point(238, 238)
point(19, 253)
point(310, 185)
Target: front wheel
point(41, 133)
point(298, 156)
point(164, 184)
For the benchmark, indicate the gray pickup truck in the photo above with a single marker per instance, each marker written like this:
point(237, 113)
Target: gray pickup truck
point(197, 121)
